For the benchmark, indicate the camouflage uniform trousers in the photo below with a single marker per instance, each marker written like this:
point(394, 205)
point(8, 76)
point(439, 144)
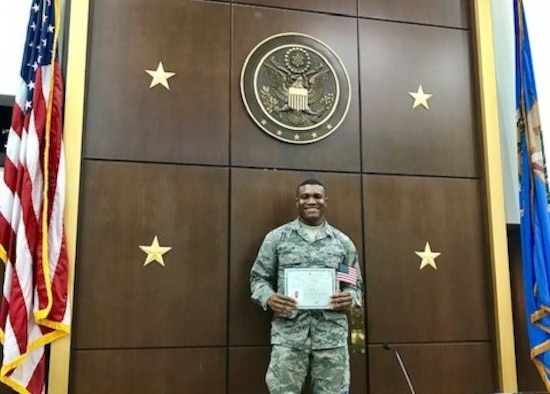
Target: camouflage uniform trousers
point(289, 366)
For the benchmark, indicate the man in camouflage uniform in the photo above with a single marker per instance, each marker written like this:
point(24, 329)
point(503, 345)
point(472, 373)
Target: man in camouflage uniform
point(302, 340)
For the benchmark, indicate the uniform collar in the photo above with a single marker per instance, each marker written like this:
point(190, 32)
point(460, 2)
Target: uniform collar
point(325, 231)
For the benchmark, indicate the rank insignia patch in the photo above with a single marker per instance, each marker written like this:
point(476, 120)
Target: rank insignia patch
point(295, 88)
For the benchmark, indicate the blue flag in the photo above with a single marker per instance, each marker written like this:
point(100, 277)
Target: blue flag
point(534, 203)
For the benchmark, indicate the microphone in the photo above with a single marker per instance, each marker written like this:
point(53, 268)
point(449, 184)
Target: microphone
point(403, 369)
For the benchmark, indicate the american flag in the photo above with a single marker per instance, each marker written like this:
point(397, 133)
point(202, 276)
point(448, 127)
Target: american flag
point(34, 309)
point(347, 274)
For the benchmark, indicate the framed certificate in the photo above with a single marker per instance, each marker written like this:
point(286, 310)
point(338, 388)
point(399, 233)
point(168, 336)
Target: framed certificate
point(310, 287)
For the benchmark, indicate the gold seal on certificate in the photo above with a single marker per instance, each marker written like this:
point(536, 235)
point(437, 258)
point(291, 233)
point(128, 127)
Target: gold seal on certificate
point(310, 287)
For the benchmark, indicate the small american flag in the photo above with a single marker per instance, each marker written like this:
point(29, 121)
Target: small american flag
point(346, 274)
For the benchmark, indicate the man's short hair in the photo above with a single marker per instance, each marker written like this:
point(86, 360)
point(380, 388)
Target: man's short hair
point(311, 181)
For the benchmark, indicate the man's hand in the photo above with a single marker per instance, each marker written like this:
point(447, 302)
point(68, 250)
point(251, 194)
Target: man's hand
point(281, 304)
point(341, 301)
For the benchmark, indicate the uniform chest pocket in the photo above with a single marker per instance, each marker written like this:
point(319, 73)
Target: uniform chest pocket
point(331, 260)
point(290, 257)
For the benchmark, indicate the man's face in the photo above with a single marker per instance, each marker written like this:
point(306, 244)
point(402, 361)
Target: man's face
point(311, 202)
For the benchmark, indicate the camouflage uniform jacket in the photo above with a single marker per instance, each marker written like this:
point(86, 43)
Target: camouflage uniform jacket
point(288, 246)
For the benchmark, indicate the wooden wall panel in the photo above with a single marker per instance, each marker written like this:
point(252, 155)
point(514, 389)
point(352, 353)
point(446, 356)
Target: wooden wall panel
point(261, 201)
point(345, 7)
point(159, 371)
point(395, 59)
point(435, 368)
point(121, 303)
point(246, 370)
point(359, 380)
point(452, 13)
point(191, 326)
point(128, 121)
point(406, 304)
point(250, 146)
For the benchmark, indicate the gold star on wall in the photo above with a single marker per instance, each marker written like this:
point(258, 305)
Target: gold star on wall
point(428, 257)
point(160, 76)
point(420, 98)
point(154, 252)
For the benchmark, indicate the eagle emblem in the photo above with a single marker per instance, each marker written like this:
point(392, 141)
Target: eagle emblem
point(295, 88)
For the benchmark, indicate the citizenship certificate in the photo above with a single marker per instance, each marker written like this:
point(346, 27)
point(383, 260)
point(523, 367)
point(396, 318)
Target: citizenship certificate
point(310, 287)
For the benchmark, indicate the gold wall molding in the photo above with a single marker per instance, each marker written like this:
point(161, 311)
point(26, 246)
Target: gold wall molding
point(494, 190)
